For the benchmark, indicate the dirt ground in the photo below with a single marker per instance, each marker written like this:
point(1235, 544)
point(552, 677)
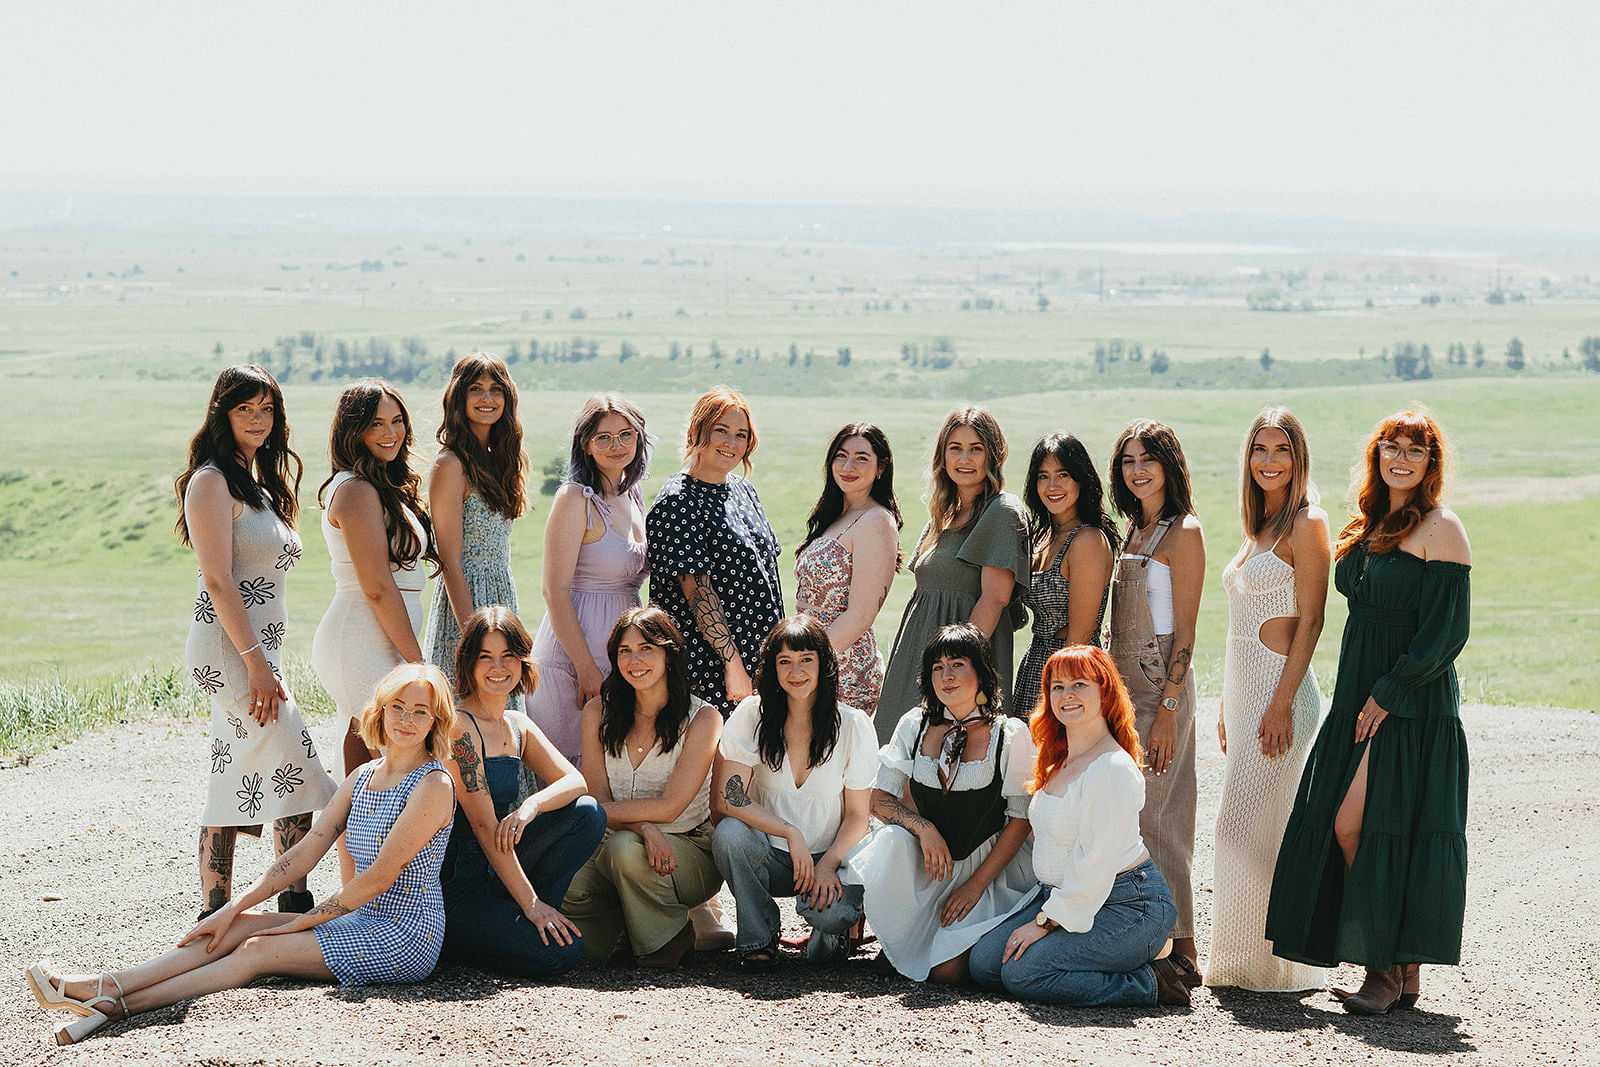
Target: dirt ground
point(99, 871)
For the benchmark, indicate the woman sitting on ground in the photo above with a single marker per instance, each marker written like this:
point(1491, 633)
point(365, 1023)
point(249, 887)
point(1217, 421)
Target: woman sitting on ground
point(647, 751)
point(952, 786)
point(385, 925)
point(1089, 934)
point(794, 789)
point(514, 854)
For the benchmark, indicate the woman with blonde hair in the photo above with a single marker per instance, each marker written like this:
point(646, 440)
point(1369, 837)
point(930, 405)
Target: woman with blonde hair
point(713, 555)
point(1093, 933)
point(384, 925)
point(1373, 866)
point(476, 489)
point(594, 564)
point(1277, 586)
point(971, 562)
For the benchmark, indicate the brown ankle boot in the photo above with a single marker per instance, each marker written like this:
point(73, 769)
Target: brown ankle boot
point(1411, 986)
point(669, 956)
point(1171, 989)
point(1379, 992)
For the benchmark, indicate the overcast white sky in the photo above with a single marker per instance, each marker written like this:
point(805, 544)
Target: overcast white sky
point(1459, 112)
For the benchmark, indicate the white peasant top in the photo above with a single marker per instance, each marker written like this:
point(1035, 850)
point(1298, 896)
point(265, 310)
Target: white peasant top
point(648, 781)
point(1085, 833)
point(901, 760)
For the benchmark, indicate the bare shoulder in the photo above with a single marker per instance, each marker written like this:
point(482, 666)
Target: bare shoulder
point(1444, 537)
point(446, 464)
point(1186, 538)
point(1310, 527)
point(353, 493)
point(1090, 544)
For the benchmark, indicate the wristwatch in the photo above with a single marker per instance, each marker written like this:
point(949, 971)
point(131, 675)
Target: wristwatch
point(1043, 921)
point(1169, 703)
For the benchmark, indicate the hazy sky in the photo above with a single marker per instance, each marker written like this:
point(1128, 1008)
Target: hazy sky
point(1455, 112)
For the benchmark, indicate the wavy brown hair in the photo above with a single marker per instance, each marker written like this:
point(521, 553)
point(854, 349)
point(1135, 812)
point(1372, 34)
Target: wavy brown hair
point(1373, 524)
point(1050, 736)
point(276, 483)
point(399, 486)
point(494, 619)
point(1253, 500)
point(581, 467)
point(619, 702)
point(1161, 441)
point(498, 471)
point(943, 499)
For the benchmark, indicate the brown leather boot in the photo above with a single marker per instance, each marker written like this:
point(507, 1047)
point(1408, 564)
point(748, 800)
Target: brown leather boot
point(1171, 989)
point(1411, 986)
point(669, 956)
point(1379, 992)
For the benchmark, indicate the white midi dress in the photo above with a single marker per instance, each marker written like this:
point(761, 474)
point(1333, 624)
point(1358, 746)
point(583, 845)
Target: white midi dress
point(1257, 793)
point(350, 651)
point(257, 773)
point(902, 903)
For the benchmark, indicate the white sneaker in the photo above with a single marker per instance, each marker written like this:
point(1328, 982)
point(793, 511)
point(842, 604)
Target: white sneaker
point(710, 932)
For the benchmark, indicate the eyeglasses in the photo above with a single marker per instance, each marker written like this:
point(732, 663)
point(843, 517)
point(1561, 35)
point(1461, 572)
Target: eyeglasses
point(400, 711)
point(1412, 453)
point(607, 440)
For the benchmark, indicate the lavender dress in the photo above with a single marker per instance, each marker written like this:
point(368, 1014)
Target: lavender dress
point(605, 583)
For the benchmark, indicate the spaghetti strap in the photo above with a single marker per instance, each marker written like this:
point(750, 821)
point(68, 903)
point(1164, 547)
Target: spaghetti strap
point(853, 522)
point(483, 746)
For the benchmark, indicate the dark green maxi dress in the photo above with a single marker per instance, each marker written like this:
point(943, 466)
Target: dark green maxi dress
point(1404, 898)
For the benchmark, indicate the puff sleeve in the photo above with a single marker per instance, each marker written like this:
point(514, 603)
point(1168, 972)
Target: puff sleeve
point(1443, 615)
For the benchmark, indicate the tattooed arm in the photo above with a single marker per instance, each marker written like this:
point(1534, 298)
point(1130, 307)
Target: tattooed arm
point(429, 808)
point(897, 812)
point(1185, 549)
point(472, 793)
point(302, 857)
point(712, 624)
point(730, 795)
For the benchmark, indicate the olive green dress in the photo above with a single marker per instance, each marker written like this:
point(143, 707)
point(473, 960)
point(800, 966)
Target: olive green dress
point(1403, 899)
point(949, 581)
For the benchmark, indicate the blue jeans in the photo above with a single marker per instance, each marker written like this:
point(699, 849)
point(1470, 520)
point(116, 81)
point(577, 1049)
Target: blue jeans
point(1106, 966)
point(484, 927)
point(757, 871)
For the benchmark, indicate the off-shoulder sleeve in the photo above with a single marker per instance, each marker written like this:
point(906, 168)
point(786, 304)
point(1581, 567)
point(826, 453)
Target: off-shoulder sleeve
point(1443, 616)
point(1000, 539)
point(676, 548)
point(738, 742)
point(861, 749)
point(1112, 792)
point(1014, 776)
point(896, 758)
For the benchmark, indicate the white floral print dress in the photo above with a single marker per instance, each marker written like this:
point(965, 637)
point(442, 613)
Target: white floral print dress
point(255, 773)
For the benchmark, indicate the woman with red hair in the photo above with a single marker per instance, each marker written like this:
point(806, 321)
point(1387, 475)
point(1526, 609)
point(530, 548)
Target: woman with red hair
point(1094, 932)
point(1386, 782)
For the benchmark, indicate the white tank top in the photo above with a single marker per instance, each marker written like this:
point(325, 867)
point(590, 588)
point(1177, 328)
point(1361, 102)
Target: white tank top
point(1158, 594)
point(410, 579)
point(649, 780)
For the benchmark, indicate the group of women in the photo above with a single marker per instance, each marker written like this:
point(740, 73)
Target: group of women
point(518, 802)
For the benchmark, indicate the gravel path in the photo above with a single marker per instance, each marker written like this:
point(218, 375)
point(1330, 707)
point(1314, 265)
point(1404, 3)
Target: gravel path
point(99, 870)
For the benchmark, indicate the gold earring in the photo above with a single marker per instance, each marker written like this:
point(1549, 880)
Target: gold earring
point(982, 699)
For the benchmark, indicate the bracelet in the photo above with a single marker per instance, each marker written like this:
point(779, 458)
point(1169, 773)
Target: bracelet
point(249, 650)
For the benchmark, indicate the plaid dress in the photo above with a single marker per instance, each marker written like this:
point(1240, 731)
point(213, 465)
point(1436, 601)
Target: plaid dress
point(396, 936)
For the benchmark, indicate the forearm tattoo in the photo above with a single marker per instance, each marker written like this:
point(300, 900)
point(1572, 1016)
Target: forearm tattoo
point(891, 810)
point(734, 793)
point(331, 908)
point(1180, 666)
point(710, 621)
point(465, 753)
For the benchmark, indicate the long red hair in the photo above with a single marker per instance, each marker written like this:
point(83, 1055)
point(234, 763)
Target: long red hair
point(1373, 522)
point(1050, 737)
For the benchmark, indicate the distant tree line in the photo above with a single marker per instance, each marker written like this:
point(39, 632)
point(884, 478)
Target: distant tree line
point(1118, 349)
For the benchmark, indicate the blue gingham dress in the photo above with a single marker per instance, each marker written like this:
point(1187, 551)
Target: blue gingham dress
point(396, 936)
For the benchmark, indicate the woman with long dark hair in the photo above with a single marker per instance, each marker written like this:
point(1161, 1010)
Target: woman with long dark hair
point(847, 561)
point(237, 508)
point(476, 489)
point(648, 745)
point(953, 857)
point(1277, 586)
point(793, 788)
point(970, 564)
point(594, 563)
point(379, 539)
point(1373, 866)
point(1073, 541)
point(1155, 603)
point(1093, 933)
point(514, 851)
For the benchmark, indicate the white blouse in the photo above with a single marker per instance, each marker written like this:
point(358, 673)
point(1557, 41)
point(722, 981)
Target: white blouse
point(816, 808)
point(1085, 833)
point(902, 760)
point(648, 781)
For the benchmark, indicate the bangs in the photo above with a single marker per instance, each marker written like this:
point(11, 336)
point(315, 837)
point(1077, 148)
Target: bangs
point(794, 635)
point(1413, 424)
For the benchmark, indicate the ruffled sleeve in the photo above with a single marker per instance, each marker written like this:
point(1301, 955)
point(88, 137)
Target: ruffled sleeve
point(1443, 614)
point(676, 547)
point(896, 758)
point(1110, 794)
point(738, 743)
point(860, 746)
point(1000, 539)
point(1019, 756)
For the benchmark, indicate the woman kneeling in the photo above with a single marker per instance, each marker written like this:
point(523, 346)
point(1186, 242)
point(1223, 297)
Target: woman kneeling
point(514, 853)
point(647, 751)
point(794, 789)
point(1090, 933)
point(385, 925)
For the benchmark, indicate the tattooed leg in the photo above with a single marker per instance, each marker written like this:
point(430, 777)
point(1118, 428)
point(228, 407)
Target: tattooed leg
point(288, 833)
point(216, 864)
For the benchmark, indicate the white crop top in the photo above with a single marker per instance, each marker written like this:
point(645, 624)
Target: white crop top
point(1158, 594)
